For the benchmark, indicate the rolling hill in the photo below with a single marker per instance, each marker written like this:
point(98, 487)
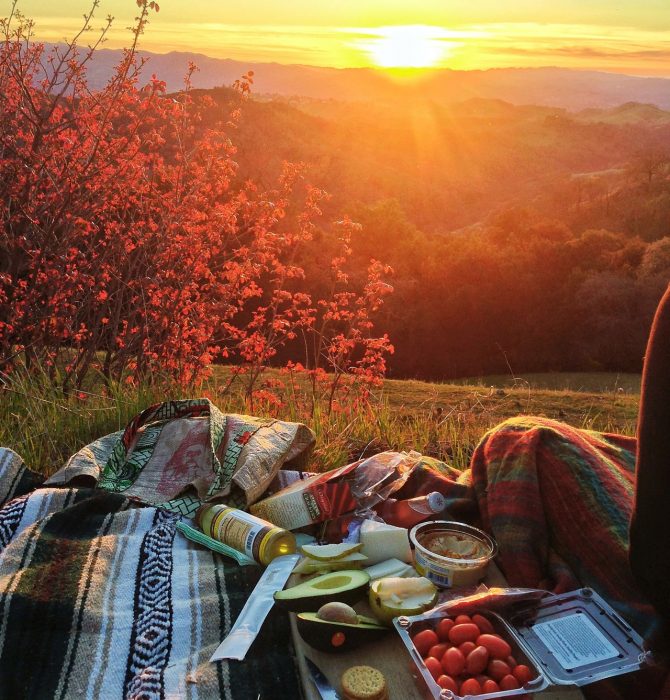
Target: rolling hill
point(554, 87)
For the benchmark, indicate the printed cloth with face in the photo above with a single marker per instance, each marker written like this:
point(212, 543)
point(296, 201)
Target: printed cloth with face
point(179, 454)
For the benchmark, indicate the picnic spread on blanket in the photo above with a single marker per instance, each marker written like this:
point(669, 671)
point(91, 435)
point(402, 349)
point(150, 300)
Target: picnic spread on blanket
point(154, 563)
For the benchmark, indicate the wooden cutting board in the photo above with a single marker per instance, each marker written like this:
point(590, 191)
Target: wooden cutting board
point(390, 657)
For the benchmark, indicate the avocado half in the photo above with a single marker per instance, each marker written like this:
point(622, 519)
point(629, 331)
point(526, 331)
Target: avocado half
point(308, 596)
point(334, 637)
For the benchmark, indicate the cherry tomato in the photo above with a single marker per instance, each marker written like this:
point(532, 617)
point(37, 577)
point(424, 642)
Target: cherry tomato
point(443, 627)
point(435, 667)
point(467, 647)
point(490, 686)
point(498, 669)
point(424, 640)
point(497, 646)
point(477, 660)
point(462, 619)
point(522, 673)
point(453, 662)
point(484, 625)
point(448, 682)
point(437, 650)
point(338, 639)
point(467, 632)
point(509, 683)
point(470, 687)
point(511, 662)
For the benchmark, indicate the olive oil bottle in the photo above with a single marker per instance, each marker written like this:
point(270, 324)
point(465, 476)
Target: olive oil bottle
point(258, 539)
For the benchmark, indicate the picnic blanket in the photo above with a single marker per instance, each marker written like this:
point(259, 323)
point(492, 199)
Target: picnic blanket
point(101, 597)
point(558, 501)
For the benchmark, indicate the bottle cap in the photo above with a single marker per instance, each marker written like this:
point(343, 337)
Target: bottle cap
point(436, 501)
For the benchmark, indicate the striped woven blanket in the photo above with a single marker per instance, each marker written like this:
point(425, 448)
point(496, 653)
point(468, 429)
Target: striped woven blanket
point(558, 500)
point(102, 597)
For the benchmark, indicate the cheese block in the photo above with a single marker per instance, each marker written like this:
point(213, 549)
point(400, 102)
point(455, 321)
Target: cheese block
point(381, 541)
point(390, 567)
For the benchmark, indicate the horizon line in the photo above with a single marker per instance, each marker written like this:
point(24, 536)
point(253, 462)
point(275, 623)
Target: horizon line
point(377, 69)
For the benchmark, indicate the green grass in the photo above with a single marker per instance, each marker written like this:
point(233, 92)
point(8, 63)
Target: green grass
point(627, 383)
point(441, 420)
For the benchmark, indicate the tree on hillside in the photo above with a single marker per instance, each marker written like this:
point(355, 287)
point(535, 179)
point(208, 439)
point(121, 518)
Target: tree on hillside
point(650, 164)
point(128, 245)
point(656, 259)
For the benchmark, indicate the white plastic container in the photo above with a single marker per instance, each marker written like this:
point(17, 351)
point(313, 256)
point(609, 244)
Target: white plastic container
point(451, 554)
point(570, 639)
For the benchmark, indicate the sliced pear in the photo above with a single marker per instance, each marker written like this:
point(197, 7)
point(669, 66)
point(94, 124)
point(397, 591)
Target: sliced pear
point(393, 596)
point(313, 566)
point(330, 552)
point(347, 586)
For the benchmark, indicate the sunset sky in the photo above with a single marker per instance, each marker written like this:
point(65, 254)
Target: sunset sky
point(627, 36)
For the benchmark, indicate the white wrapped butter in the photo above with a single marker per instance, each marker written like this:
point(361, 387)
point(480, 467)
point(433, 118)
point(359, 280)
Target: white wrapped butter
point(382, 541)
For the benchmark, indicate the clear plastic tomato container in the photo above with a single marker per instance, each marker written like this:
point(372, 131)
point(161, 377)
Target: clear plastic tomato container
point(571, 639)
point(451, 554)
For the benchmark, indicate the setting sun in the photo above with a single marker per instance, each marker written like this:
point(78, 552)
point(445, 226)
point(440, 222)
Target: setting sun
point(408, 46)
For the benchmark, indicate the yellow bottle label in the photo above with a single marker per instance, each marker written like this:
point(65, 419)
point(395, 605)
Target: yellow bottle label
point(239, 530)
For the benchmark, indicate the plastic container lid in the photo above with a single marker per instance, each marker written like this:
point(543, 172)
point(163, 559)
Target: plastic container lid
point(574, 638)
point(577, 638)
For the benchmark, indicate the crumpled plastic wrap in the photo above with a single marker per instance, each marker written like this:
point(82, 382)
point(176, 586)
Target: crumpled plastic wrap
point(485, 598)
point(379, 476)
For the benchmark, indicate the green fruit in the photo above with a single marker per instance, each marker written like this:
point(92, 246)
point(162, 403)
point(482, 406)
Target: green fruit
point(333, 637)
point(346, 586)
point(308, 565)
point(393, 597)
point(330, 552)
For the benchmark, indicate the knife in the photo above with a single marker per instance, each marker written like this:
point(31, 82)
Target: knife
point(326, 690)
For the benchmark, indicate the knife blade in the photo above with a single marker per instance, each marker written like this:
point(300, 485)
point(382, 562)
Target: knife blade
point(326, 690)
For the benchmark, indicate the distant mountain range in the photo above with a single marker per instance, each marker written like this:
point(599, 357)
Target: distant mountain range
point(553, 87)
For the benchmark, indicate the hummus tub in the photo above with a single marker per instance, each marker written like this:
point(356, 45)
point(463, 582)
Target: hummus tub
point(451, 553)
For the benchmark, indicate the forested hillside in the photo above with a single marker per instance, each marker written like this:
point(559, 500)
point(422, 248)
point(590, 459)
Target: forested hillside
point(522, 238)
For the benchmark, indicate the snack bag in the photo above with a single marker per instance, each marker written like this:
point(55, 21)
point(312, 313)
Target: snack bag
point(356, 487)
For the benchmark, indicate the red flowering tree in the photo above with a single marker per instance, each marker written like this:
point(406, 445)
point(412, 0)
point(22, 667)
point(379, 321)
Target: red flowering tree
point(125, 247)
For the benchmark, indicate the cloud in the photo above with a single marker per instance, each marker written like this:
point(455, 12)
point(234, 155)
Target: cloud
point(588, 52)
point(470, 46)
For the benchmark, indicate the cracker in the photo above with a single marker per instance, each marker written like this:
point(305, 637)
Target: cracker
point(364, 683)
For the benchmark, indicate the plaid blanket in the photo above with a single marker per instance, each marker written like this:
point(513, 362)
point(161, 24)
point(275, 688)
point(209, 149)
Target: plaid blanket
point(558, 500)
point(102, 597)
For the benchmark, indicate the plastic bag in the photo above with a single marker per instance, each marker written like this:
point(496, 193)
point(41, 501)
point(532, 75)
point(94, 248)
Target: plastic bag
point(485, 598)
point(377, 477)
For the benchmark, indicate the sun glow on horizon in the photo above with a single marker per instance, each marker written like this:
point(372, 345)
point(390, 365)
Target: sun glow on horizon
point(408, 46)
